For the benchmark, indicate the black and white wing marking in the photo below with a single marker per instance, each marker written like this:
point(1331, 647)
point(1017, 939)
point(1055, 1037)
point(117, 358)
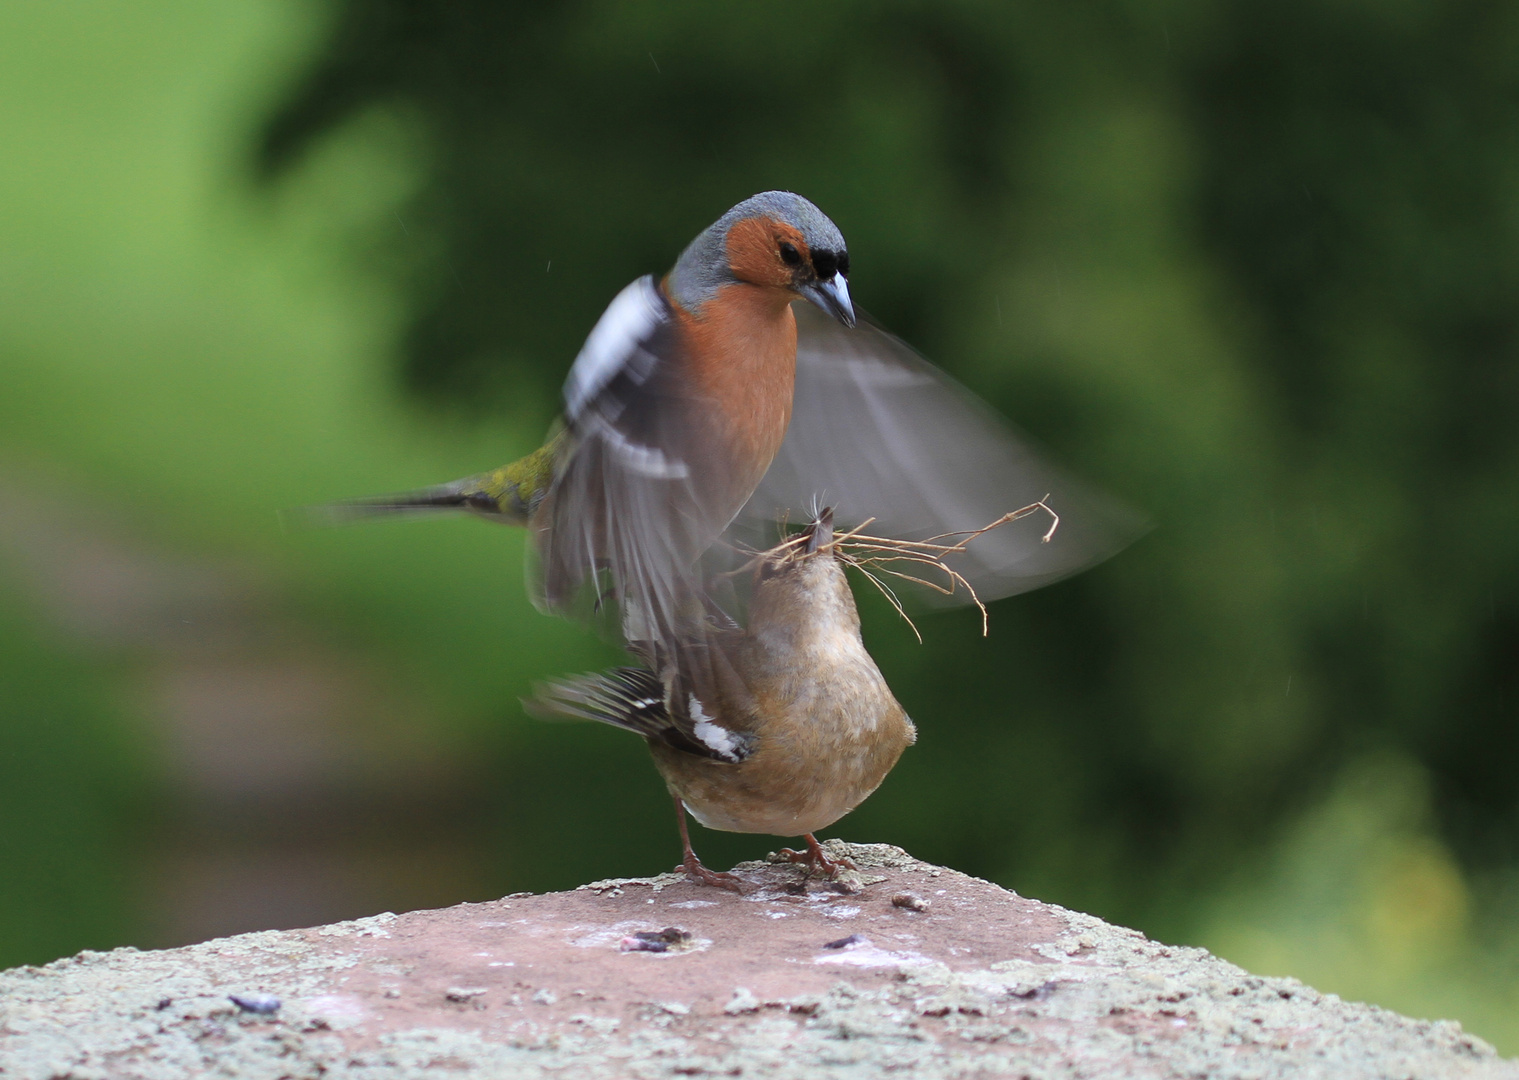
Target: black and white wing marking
point(625, 517)
point(630, 697)
point(879, 432)
point(634, 698)
point(618, 357)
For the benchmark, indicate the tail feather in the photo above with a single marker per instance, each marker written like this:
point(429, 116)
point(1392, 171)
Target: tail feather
point(510, 494)
point(630, 697)
point(440, 499)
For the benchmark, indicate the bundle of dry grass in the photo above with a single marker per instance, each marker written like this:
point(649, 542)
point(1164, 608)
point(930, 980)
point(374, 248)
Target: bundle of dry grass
point(880, 557)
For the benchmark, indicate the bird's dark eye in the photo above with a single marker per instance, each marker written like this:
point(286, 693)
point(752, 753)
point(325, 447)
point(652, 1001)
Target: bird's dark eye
point(825, 263)
point(789, 254)
point(844, 263)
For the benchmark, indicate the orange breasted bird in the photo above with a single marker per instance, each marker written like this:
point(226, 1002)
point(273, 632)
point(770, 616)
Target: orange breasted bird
point(673, 411)
point(676, 407)
point(710, 399)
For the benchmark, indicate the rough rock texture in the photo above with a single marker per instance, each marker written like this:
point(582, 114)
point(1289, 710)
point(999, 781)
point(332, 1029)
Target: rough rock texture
point(923, 972)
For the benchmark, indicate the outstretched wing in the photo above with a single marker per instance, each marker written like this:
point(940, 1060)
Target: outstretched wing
point(879, 432)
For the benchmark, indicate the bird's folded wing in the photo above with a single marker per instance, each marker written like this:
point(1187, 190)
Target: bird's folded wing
point(879, 432)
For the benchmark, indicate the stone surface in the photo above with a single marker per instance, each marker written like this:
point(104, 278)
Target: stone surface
point(795, 978)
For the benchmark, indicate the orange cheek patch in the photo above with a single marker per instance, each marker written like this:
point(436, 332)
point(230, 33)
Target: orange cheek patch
point(754, 251)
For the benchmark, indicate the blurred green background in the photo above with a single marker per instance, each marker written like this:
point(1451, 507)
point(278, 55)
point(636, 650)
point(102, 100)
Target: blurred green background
point(1252, 267)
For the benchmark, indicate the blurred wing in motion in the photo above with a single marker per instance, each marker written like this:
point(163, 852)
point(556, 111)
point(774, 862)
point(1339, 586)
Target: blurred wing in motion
point(879, 432)
point(630, 511)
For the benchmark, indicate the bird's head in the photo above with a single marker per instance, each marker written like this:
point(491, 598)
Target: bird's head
point(800, 588)
point(776, 240)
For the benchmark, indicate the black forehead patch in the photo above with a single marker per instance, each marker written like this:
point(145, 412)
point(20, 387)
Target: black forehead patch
point(826, 263)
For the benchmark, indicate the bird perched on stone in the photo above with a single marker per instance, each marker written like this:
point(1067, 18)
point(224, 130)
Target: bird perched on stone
point(802, 735)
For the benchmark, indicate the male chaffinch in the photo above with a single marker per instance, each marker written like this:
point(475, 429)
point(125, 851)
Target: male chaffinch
point(673, 411)
point(804, 734)
point(707, 397)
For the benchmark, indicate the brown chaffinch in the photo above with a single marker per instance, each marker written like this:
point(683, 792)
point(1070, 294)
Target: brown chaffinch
point(802, 735)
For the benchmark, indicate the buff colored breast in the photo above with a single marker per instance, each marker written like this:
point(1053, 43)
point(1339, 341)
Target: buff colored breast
point(827, 727)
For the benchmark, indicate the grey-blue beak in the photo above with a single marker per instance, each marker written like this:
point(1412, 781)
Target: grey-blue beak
point(833, 297)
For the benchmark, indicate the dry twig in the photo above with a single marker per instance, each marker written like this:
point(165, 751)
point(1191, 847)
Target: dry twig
point(876, 556)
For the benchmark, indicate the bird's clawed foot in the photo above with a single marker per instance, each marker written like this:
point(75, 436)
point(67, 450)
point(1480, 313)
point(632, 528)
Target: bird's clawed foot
point(700, 875)
point(695, 871)
point(815, 858)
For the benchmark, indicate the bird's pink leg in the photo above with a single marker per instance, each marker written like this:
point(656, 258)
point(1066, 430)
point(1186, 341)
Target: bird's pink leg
point(692, 865)
point(815, 858)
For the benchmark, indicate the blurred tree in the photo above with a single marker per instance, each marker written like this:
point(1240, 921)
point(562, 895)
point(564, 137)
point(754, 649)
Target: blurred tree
point(1359, 191)
point(1253, 266)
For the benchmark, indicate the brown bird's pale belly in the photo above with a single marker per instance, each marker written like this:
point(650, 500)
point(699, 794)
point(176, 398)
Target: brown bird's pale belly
point(828, 742)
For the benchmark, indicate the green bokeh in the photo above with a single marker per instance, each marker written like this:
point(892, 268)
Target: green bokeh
point(75, 796)
point(1250, 267)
